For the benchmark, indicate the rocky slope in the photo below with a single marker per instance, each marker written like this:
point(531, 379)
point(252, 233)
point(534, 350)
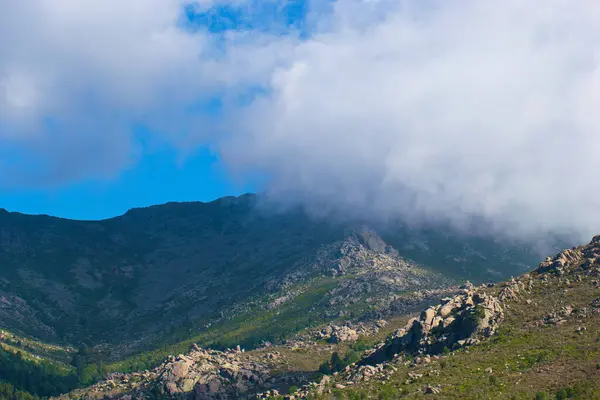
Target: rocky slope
point(534, 336)
point(531, 337)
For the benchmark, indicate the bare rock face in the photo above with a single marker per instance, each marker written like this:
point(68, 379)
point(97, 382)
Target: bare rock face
point(371, 240)
point(458, 321)
point(585, 257)
point(557, 318)
point(209, 374)
point(558, 263)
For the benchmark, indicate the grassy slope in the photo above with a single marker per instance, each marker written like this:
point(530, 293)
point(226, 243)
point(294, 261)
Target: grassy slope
point(257, 324)
point(34, 368)
point(527, 359)
point(248, 329)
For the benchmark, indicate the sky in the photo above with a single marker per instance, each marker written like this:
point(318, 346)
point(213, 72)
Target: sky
point(426, 110)
point(153, 173)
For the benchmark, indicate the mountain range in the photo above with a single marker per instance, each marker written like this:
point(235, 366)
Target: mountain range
point(125, 292)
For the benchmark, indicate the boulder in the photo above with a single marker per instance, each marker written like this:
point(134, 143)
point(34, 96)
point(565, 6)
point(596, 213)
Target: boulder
point(469, 317)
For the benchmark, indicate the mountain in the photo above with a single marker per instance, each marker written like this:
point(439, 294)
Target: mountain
point(153, 268)
point(530, 337)
point(128, 291)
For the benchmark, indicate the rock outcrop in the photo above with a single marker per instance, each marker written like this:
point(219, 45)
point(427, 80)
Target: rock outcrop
point(558, 263)
point(567, 260)
point(460, 320)
point(512, 289)
point(210, 374)
point(200, 374)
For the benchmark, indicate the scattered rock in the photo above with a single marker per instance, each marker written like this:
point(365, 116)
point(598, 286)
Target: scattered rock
point(347, 333)
point(557, 318)
point(429, 389)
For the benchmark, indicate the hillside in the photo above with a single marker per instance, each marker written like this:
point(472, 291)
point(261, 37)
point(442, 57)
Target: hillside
point(128, 291)
point(188, 264)
point(533, 337)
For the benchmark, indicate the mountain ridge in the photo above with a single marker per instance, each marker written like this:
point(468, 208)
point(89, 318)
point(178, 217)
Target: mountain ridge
point(121, 263)
point(135, 209)
point(130, 289)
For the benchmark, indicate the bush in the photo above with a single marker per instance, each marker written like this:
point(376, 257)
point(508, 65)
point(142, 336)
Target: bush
point(360, 345)
point(325, 369)
point(351, 357)
point(562, 394)
point(573, 392)
point(542, 396)
point(336, 363)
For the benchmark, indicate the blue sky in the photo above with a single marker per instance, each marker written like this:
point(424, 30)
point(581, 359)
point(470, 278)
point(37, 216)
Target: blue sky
point(157, 174)
point(157, 178)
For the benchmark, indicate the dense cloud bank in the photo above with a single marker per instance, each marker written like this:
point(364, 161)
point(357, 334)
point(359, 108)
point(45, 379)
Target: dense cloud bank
point(418, 109)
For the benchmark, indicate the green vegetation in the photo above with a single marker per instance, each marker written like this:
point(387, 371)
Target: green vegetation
point(40, 377)
point(249, 329)
point(526, 359)
point(92, 281)
point(479, 259)
point(352, 355)
point(8, 392)
point(24, 373)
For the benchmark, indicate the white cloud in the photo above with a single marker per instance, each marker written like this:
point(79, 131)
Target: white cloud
point(440, 110)
point(77, 75)
point(433, 109)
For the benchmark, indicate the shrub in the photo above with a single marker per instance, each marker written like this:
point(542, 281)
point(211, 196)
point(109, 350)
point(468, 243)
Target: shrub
point(325, 368)
point(562, 394)
point(360, 345)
